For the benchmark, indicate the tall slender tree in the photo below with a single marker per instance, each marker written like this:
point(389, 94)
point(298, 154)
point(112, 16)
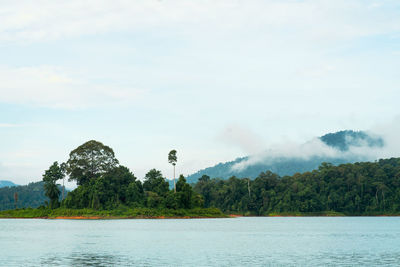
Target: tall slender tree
point(63, 167)
point(172, 159)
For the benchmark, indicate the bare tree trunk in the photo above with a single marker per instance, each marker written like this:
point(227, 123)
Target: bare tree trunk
point(174, 181)
point(63, 190)
point(16, 200)
point(248, 186)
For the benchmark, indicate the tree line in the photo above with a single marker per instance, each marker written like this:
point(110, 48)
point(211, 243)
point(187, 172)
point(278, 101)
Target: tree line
point(353, 189)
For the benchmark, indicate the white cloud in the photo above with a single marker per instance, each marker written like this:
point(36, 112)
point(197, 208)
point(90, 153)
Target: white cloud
point(50, 20)
point(9, 125)
point(389, 132)
point(52, 87)
point(317, 71)
point(246, 140)
point(289, 149)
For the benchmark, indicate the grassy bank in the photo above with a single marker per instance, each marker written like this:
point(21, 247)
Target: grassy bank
point(146, 213)
point(329, 214)
point(122, 213)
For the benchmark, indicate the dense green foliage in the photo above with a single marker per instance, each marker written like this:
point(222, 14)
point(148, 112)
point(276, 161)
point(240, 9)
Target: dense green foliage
point(50, 178)
point(120, 187)
point(103, 184)
point(356, 189)
point(31, 195)
point(341, 141)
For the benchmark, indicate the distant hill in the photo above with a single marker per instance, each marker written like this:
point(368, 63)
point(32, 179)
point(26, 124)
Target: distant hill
point(31, 195)
point(344, 139)
point(4, 183)
point(341, 141)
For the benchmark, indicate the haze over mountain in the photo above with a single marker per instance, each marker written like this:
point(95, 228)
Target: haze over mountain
point(4, 183)
point(340, 147)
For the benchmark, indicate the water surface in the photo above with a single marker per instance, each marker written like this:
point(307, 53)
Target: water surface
point(276, 241)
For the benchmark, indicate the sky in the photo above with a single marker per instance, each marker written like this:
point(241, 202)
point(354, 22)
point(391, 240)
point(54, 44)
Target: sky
point(214, 80)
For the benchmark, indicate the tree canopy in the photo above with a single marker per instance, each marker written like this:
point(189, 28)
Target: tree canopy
point(172, 158)
point(90, 161)
point(155, 182)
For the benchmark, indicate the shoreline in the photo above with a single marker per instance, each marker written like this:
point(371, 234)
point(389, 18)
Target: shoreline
point(126, 213)
point(110, 218)
point(230, 216)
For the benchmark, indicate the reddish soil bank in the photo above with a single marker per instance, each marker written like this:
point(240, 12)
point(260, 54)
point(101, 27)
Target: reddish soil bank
point(235, 215)
point(79, 217)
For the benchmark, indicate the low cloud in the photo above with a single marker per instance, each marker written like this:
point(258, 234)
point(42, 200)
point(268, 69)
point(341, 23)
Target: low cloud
point(389, 132)
point(245, 139)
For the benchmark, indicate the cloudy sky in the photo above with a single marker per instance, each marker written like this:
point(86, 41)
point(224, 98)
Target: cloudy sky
point(213, 79)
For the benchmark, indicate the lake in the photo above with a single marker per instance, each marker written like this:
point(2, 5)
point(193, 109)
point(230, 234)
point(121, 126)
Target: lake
point(274, 241)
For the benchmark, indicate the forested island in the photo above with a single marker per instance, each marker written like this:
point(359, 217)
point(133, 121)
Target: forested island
point(107, 189)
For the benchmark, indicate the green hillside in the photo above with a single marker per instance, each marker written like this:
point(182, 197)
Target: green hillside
point(365, 188)
point(31, 195)
point(282, 166)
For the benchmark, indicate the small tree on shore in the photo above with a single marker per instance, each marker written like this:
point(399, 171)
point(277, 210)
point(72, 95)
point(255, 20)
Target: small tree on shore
point(50, 178)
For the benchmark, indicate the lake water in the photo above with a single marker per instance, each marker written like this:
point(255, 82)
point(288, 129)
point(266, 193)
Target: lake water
point(278, 241)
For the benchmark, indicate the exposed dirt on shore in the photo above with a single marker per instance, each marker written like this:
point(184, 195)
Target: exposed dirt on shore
point(235, 215)
point(112, 217)
point(79, 217)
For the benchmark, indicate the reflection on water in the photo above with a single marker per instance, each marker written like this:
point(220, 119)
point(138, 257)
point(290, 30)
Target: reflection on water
point(84, 259)
point(207, 242)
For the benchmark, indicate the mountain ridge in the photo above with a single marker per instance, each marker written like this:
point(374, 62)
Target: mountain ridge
point(341, 142)
point(5, 183)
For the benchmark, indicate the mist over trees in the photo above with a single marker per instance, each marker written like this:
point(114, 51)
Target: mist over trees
point(337, 148)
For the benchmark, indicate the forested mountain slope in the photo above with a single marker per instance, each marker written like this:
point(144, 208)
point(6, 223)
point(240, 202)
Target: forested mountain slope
point(285, 165)
point(31, 195)
point(365, 188)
